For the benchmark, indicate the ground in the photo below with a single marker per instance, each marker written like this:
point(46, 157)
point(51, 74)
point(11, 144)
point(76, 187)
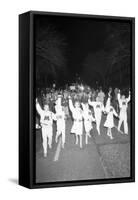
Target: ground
point(101, 158)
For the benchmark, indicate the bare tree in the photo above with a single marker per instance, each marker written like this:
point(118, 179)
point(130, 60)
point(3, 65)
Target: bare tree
point(117, 46)
point(111, 64)
point(50, 53)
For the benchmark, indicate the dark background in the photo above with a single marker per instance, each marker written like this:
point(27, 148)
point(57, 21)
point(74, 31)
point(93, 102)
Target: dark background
point(95, 51)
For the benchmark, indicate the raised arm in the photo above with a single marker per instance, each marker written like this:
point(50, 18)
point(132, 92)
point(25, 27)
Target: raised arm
point(38, 108)
point(83, 106)
point(71, 107)
point(118, 96)
point(91, 103)
point(107, 106)
point(128, 99)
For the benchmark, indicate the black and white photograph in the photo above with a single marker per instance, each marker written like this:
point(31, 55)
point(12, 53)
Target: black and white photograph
point(83, 98)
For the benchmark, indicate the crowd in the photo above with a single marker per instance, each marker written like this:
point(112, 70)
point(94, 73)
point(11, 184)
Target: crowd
point(85, 106)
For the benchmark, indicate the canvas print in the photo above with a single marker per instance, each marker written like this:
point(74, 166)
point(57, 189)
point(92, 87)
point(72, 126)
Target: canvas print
point(82, 97)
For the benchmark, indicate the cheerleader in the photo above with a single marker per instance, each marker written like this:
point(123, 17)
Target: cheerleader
point(60, 118)
point(123, 105)
point(98, 108)
point(109, 123)
point(77, 114)
point(46, 121)
point(88, 119)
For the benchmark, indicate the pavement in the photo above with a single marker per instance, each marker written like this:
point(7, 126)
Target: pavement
point(98, 160)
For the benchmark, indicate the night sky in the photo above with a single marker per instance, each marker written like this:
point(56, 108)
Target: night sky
point(82, 35)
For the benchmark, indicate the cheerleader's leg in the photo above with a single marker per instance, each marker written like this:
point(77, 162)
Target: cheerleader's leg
point(44, 138)
point(57, 135)
point(76, 139)
point(80, 141)
point(50, 140)
point(63, 138)
point(120, 122)
point(56, 138)
point(87, 127)
point(58, 132)
point(86, 138)
point(111, 137)
point(98, 121)
point(125, 125)
point(108, 132)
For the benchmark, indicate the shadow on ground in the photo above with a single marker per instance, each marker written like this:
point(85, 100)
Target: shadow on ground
point(13, 180)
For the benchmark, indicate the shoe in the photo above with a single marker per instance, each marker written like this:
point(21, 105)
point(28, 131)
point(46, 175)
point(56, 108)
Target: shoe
point(45, 155)
point(120, 131)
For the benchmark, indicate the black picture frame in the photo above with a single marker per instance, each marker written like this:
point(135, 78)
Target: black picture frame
point(27, 104)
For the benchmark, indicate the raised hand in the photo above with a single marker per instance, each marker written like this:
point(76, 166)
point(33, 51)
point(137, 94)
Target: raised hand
point(109, 94)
